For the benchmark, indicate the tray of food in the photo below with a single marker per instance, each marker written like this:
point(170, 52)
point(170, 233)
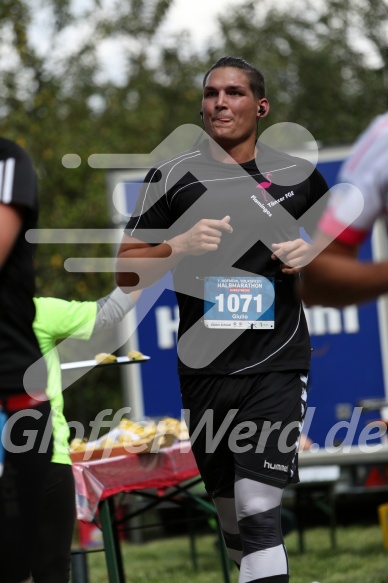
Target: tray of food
point(106, 359)
point(131, 437)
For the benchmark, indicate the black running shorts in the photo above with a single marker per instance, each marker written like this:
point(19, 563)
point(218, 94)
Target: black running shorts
point(247, 426)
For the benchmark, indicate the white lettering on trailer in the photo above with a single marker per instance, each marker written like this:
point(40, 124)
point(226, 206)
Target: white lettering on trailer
point(167, 322)
point(322, 320)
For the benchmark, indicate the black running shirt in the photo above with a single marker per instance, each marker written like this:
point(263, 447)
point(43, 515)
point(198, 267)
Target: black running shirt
point(193, 186)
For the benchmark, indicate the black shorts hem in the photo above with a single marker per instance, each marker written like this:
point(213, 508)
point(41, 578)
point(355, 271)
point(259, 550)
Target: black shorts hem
point(264, 478)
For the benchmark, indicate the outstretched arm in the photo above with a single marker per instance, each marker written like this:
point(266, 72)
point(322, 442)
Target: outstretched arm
point(112, 308)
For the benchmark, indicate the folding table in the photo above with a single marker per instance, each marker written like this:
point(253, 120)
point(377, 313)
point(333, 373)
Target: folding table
point(97, 481)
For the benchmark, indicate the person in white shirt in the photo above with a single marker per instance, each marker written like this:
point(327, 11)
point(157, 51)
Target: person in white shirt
point(336, 277)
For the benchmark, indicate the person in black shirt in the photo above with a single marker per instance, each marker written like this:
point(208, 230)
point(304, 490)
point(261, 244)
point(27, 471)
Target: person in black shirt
point(225, 218)
point(24, 409)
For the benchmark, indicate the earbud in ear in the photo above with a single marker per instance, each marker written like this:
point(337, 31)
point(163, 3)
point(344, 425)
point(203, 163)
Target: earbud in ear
point(201, 113)
point(261, 110)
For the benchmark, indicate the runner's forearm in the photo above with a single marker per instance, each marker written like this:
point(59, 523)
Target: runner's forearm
point(144, 265)
point(338, 281)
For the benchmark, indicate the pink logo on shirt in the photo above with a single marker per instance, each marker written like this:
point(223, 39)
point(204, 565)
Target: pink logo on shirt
point(264, 185)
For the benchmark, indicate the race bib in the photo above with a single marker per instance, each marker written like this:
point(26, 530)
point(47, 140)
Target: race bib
point(239, 302)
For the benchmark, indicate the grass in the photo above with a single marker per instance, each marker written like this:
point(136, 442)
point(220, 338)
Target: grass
point(358, 558)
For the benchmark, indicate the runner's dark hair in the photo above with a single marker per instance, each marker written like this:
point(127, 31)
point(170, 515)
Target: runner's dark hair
point(256, 78)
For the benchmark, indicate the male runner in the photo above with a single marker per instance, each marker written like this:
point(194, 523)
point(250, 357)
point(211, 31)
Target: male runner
point(243, 347)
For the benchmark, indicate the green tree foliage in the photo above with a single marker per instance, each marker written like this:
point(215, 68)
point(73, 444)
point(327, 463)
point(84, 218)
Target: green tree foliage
point(316, 58)
point(55, 103)
point(56, 98)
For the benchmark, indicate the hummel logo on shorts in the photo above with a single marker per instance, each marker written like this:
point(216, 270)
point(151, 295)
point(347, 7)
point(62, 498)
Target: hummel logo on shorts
point(275, 466)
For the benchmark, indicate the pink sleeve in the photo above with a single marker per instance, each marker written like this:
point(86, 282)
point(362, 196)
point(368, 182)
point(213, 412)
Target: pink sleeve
point(330, 226)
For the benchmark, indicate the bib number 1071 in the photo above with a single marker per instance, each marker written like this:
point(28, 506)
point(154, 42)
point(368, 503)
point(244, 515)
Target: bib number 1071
point(236, 302)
